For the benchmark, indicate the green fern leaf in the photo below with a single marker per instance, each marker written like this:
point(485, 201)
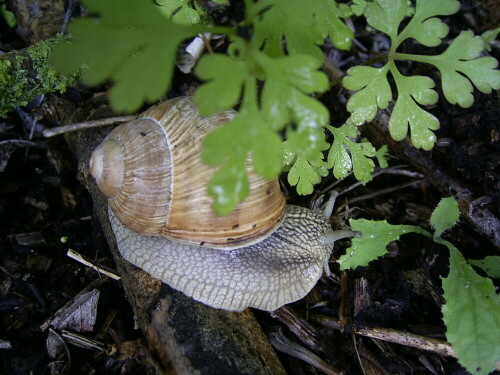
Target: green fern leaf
point(374, 92)
point(302, 24)
point(297, 76)
point(424, 27)
point(413, 90)
point(225, 78)
point(131, 43)
point(359, 160)
point(460, 65)
point(386, 15)
point(305, 175)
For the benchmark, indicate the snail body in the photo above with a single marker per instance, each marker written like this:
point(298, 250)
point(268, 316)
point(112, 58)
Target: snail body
point(265, 254)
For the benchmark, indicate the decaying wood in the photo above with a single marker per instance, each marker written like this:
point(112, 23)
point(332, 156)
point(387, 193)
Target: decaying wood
point(398, 337)
point(186, 336)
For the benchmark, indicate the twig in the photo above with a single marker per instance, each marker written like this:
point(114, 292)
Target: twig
point(47, 133)
point(281, 343)
point(398, 337)
point(379, 192)
point(397, 170)
point(82, 341)
point(87, 262)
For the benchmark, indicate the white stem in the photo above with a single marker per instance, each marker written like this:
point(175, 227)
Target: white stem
point(47, 133)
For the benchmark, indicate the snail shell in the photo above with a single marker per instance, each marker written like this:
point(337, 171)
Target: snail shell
point(151, 171)
point(264, 255)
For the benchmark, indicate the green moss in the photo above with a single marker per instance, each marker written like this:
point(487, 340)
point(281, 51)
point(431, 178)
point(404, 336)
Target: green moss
point(28, 74)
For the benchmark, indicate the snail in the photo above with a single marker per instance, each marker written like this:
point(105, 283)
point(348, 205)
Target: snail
point(264, 255)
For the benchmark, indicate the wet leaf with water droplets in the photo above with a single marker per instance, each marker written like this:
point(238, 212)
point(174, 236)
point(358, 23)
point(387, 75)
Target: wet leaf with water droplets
point(376, 235)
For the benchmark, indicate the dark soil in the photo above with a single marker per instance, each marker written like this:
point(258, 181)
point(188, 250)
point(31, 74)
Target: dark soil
point(45, 211)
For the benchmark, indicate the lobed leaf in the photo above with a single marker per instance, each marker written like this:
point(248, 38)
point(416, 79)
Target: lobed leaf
point(444, 216)
point(296, 76)
point(359, 160)
point(246, 135)
point(374, 92)
point(308, 142)
point(305, 175)
point(382, 156)
point(376, 235)
point(426, 29)
point(130, 43)
point(303, 25)
point(489, 36)
point(225, 78)
point(327, 17)
point(358, 7)
point(224, 146)
point(413, 90)
point(386, 15)
point(472, 316)
point(288, 20)
point(459, 66)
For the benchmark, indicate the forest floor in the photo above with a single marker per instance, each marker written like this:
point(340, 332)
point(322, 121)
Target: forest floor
point(45, 211)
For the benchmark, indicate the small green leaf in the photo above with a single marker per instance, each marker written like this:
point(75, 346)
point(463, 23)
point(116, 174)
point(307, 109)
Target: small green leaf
point(374, 92)
point(308, 142)
point(489, 36)
point(382, 156)
point(413, 90)
point(386, 15)
point(490, 265)
point(459, 64)
point(225, 78)
point(471, 315)
point(304, 175)
point(291, 21)
point(303, 25)
point(444, 216)
point(358, 7)
point(339, 159)
point(376, 235)
point(360, 154)
point(327, 18)
point(362, 164)
point(426, 29)
point(297, 76)
point(245, 135)
point(130, 43)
